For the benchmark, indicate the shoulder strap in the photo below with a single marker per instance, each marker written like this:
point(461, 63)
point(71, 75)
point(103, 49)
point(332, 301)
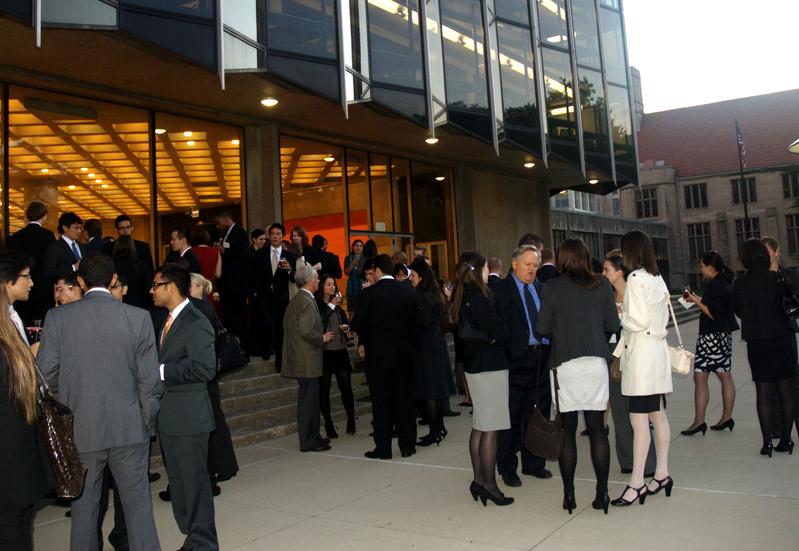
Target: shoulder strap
point(674, 319)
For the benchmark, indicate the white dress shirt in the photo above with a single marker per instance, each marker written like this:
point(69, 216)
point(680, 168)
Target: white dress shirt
point(174, 315)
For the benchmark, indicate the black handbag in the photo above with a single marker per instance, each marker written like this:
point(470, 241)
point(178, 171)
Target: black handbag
point(230, 355)
point(544, 437)
point(55, 428)
point(790, 300)
point(467, 332)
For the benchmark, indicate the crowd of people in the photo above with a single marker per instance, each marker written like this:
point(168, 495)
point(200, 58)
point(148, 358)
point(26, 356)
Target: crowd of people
point(130, 348)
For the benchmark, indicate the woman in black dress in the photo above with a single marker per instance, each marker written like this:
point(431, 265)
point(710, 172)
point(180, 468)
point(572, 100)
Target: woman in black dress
point(714, 345)
point(770, 340)
point(430, 374)
point(335, 357)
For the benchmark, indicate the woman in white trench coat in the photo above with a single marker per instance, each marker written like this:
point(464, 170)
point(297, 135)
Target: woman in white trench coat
point(645, 365)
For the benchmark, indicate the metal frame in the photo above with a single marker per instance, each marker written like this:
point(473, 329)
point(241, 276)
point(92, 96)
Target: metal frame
point(578, 116)
point(428, 91)
point(220, 44)
point(37, 21)
point(629, 94)
point(342, 65)
point(539, 81)
point(490, 74)
point(597, 7)
point(4, 158)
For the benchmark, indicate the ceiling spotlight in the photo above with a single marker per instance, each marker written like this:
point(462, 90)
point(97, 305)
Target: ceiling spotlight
point(190, 142)
point(593, 181)
point(91, 175)
point(431, 141)
point(99, 181)
point(187, 133)
point(329, 159)
point(160, 131)
point(45, 170)
point(440, 178)
point(104, 186)
point(71, 186)
point(84, 169)
point(529, 165)
point(234, 142)
point(269, 102)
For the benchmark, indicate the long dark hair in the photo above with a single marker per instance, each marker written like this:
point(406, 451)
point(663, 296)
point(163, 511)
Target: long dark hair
point(469, 271)
point(299, 230)
point(638, 252)
point(715, 261)
point(574, 261)
point(617, 261)
point(754, 254)
point(427, 280)
point(369, 249)
point(320, 291)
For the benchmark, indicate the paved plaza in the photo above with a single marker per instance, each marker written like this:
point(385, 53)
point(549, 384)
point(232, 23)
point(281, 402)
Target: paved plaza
point(726, 495)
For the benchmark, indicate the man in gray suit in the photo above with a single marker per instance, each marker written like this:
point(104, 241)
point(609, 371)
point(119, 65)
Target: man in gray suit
point(101, 355)
point(187, 363)
point(303, 339)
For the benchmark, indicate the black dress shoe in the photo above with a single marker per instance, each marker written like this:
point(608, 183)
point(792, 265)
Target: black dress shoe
point(538, 473)
point(165, 495)
point(375, 454)
point(320, 448)
point(153, 477)
point(512, 480)
point(324, 441)
point(408, 453)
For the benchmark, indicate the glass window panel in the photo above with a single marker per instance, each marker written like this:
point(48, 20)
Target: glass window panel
point(20, 9)
point(241, 55)
point(241, 15)
point(559, 94)
point(610, 3)
point(513, 10)
point(464, 55)
point(396, 43)
point(586, 37)
point(592, 108)
point(306, 27)
point(433, 221)
point(613, 47)
point(435, 47)
point(199, 171)
point(621, 124)
point(358, 190)
point(552, 22)
point(401, 190)
point(517, 68)
point(380, 185)
point(496, 81)
point(197, 8)
point(355, 49)
point(79, 12)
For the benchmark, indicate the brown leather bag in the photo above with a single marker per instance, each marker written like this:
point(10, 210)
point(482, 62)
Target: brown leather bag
point(615, 371)
point(57, 438)
point(544, 437)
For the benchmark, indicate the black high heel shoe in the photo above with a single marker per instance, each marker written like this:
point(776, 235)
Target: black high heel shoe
point(501, 500)
point(569, 503)
point(601, 502)
point(429, 440)
point(728, 424)
point(474, 489)
point(331, 431)
point(699, 428)
point(785, 445)
point(640, 496)
point(767, 448)
point(663, 484)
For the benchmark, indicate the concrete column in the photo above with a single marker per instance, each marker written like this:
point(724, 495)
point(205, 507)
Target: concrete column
point(262, 165)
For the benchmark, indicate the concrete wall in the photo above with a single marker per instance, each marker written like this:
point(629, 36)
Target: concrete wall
point(263, 202)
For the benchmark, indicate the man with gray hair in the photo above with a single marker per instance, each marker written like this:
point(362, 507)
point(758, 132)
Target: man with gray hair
point(303, 340)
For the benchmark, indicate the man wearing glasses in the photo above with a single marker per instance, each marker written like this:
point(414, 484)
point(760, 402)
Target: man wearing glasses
point(64, 254)
point(67, 289)
point(124, 226)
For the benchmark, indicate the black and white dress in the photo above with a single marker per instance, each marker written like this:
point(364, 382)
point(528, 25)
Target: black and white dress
point(714, 345)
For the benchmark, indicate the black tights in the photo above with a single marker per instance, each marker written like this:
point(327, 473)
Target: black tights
point(434, 414)
point(344, 382)
point(483, 451)
point(600, 450)
point(766, 392)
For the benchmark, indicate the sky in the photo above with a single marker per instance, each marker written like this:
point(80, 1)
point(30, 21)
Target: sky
point(692, 52)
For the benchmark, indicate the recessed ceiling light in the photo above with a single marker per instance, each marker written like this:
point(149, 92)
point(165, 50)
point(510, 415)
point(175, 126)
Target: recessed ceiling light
point(104, 186)
point(190, 142)
point(329, 159)
point(71, 186)
point(431, 141)
point(440, 178)
point(234, 142)
point(45, 170)
point(187, 133)
point(84, 169)
point(91, 175)
point(529, 165)
point(593, 181)
point(269, 102)
point(564, 192)
point(160, 131)
point(99, 181)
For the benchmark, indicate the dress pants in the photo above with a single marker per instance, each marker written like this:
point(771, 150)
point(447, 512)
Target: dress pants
point(221, 455)
point(308, 414)
point(16, 529)
point(234, 313)
point(128, 466)
point(623, 431)
point(528, 379)
point(274, 333)
point(118, 538)
point(186, 462)
point(391, 391)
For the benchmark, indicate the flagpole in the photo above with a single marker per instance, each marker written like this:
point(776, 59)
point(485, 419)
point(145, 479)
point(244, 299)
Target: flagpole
point(743, 188)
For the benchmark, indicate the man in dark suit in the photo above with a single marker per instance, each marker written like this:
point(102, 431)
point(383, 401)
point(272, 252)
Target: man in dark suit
point(387, 321)
point(331, 264)
point(271, 270)
point(124, 226)
point(187, 363)
point(547, 270)
point(494, 269)
point(64, 255)
point(179, 243)
point(94, 231)
point(101, 354)
point(517, 300)
point(235, 251)
point(33, 240)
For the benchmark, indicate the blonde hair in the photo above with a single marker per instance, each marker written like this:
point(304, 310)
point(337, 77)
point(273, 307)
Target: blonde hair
point(21, 364)
point(206, 285)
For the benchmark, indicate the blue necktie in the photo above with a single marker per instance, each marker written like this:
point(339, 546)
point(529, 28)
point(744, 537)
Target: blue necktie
point(75, 250)
point(532, 311)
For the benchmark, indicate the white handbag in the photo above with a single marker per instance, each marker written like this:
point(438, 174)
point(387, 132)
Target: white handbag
point(682, 360)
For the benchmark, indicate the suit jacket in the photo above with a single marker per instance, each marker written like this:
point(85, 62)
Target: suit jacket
point(189, 360)
point(480, 357)
point(142, 251)
point(192, 262)
point(235, 262)
point(95, 244)
point(387, 321)
point(492, 278)
point(268, 288)
point(101, 355)
point(547, 272)
point(58, 260)
point(757, 301)
point(302, 338)
point(508, 305)
point(33, 240)
point(331, 265)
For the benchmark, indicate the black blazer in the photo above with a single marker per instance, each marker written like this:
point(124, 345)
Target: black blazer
point(235, 262)
point(481, 357)
point(757, 300)
point(331, 265)
point(192, 262)
point(387, 322)
point(508, 306)
point(95, 244)
point(545, 273)
point(142, 251)
point(268, 288)
point(24, 475)
point(58, 260)
point(33, 240)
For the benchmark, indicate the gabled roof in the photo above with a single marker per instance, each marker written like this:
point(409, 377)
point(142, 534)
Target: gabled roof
point(701, 140)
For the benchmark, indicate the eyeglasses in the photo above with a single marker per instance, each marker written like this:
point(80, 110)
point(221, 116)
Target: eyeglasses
point(157, 285)
point(28, 275)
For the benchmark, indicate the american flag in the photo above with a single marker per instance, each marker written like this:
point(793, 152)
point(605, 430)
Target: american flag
point(741, 146)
